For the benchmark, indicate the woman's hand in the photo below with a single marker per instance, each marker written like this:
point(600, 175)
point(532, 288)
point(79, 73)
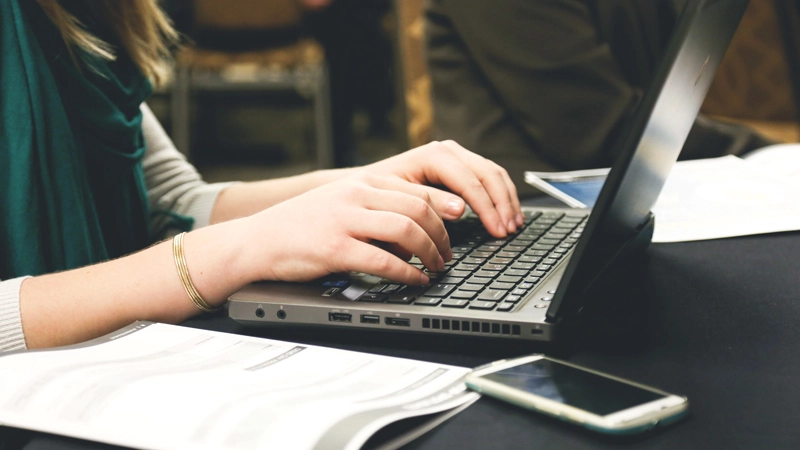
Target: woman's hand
point(333, 228)
point(484, 185)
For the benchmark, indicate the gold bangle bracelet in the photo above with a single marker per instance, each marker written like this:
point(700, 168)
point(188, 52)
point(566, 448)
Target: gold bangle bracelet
point(186, 280)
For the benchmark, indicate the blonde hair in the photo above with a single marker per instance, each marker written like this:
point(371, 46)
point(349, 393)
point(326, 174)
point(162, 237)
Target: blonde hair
point(144, 30)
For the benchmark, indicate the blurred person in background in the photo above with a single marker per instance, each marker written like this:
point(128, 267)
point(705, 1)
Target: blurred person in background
point(547, 85)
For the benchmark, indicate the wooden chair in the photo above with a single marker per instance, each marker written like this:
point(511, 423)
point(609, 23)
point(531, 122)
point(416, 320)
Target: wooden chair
point(299, 66)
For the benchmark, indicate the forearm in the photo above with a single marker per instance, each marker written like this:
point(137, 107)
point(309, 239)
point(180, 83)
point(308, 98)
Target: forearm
point(245, 199)
point(76, 305)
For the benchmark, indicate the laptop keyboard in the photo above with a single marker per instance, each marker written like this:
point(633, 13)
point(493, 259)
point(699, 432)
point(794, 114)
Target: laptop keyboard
point(487, 273)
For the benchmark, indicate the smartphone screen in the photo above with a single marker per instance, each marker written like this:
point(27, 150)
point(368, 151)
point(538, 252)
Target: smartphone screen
point(585, 190)
point(573, 387)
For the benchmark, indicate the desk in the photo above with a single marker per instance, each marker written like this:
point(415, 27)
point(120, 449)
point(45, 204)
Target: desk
point(720, 324)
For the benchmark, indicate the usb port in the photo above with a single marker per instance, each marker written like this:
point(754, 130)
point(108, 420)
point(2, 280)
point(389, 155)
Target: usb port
point(340, 317)
point(369, 318)
point(398, 322)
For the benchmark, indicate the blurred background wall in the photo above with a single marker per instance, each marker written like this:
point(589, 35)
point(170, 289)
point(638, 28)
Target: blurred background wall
point(266, 88)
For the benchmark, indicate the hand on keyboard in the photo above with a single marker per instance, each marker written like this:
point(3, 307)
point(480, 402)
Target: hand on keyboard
point(331, 229)
point(484, 185)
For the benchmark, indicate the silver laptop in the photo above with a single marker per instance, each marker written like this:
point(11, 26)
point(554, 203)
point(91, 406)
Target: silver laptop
point(527, 285)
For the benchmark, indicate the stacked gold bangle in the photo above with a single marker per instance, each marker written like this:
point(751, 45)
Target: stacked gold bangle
point(183, 273)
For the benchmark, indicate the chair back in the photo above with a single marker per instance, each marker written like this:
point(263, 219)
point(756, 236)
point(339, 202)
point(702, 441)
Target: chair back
point(246, 14)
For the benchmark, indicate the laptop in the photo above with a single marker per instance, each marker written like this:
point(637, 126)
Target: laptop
point(529, 284)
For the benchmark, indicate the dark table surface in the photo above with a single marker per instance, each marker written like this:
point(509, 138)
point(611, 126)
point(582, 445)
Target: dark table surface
point(716, 321)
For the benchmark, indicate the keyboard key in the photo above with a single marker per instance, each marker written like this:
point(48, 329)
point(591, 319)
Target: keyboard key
point(440, 290)
point(509, 279)
point(461, 249)
point(495, 267)
point(498, 242)
point(451, 280)
point(471, 260)
point(478, 254)
point(516, 272)
point(536, 252)
point(549, 261)
point(544, 267)
point(505, 307)
point(483, 273)
point(538, 273)
point(377, 288)
point(463, 294)
point(486, 306)
point(503, 261)
point(529, 259)
point(543, 247)
point(433, 275)
point(479, 280)
point(519, 292)
point(525, 285)
point(472, 287)
point(372, 298)
point(550, 242)
point(522, 266)
point(515, 248)
point(532, 279)
point(401, 299)
point(506, 254)
point(488, 248)
point(458, 273)
point(465, 267)
point(492, 295)
point(501, 285)
point(392, 288)
point(454, 303)
point(428, 301)
point(554, 236)
point(512, 298)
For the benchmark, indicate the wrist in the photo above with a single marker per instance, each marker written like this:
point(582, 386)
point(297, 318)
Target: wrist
point(217, 260)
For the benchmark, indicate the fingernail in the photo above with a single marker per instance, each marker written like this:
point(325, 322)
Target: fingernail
point(520, 220)
point(512, 227)
point(501, 227)
point(454, 207)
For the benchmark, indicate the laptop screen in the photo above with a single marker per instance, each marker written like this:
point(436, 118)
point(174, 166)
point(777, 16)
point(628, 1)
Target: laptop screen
point(650, 146)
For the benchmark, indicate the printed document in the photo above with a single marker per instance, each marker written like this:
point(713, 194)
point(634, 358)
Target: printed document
point(169, 387)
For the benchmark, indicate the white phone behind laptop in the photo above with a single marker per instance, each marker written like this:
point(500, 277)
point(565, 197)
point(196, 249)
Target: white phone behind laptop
point(597, 401)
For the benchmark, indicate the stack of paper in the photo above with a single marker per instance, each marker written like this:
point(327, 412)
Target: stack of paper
point(722, 197)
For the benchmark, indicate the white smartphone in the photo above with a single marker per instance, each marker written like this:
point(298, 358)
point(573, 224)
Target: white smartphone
point(595, 400)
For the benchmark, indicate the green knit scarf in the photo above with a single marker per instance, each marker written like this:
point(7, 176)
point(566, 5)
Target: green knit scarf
point(72, 188)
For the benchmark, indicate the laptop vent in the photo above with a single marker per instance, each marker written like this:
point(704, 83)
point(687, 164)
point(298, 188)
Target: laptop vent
point(467, 326)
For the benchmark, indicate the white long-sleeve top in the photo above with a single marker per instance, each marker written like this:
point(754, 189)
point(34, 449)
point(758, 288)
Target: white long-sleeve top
point(173, 184)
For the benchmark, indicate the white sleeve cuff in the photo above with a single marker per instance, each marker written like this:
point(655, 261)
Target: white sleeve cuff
point(11, 334)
